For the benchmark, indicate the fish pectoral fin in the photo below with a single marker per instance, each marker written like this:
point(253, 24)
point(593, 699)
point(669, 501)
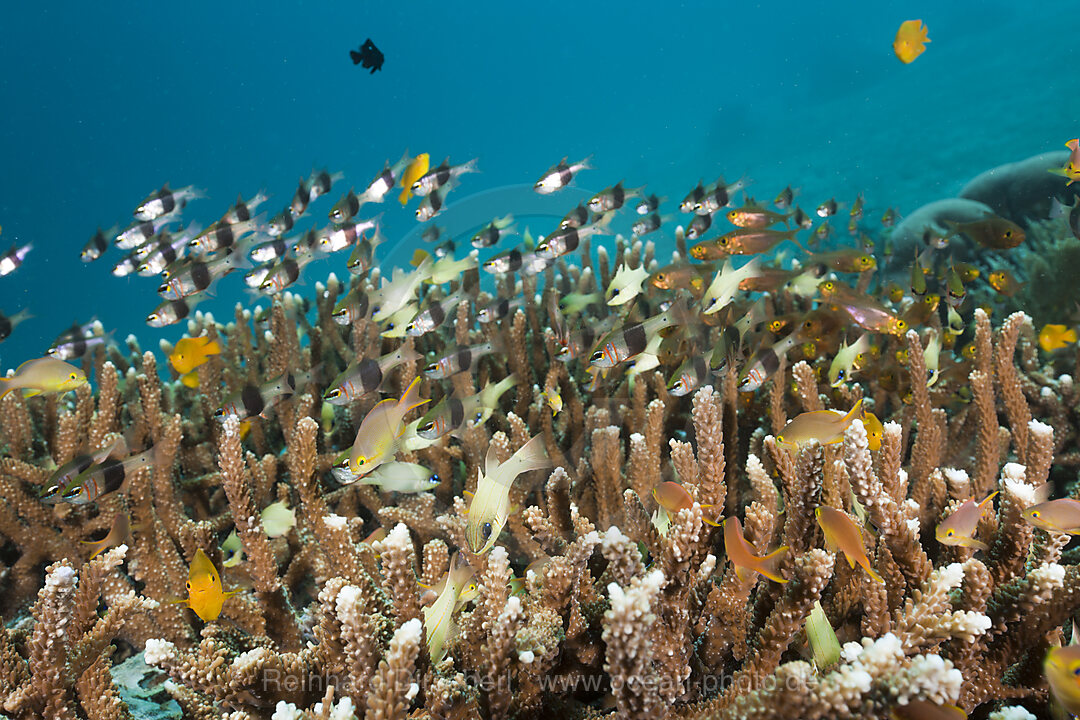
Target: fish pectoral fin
point(976, 544)
point(742, 573)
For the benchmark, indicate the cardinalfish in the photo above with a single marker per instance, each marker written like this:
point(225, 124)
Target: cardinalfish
point(613, 198)
point(743, 241)
point(732, 336)
point(562, 242)
point(415, 170)
point(9, 323)
point(165, 200)
point(718, 196)
point(575, 218)
point(630, 340)
point(1059, 516)
point(845, 261)
point(671, 497)
point(383, 183)
point(376, 438)
point(626, 284)
point(490, 506)
point(43, 376)
point(560, 175)
point(439, 176)
point(698, 226)
point(460, 360)
point(205, 594)
point(12, 260)
point(910, 41)
point(439, 626)
point(436, 313)
point(53, 489)
point(682, 276)
point(498, 309)
point(189, 354)
point(828, 208)
point(764, 363)
point(366, 375)
point(1054, 337)
point(493, 232)
point(825, 426)
point(649, 204)
point(864, 311)
point(1062, 668)
point(1004, 282)
point(353, 306)
point(218, 236)
point(995, 233)
point(119, 533)
point(452, 414)
point(335, 239)
point(98, 480)
point(256, 400)
point(841, 533)
point(97, 245)
point(742, 556)
point(959, 528)
point(648, 224)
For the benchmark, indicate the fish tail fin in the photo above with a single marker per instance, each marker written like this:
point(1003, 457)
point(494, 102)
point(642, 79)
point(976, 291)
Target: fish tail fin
point(411, 397)
point(498, 389)
point(530, 456)
point(977, 544)
point(854, 412)
point(985, 503)
point(99, 546)
point(873, 575)
point(213, 347)
point(1068, 336)
point(356, 57)
point(768, 566)
point(586, 164)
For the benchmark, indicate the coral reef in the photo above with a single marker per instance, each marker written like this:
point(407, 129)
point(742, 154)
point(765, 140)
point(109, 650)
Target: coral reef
point(585, 608)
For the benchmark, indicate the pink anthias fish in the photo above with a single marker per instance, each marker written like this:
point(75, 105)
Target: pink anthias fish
point(959, 528)
point(1060, 516)
point(841, 533)
point(742, 556)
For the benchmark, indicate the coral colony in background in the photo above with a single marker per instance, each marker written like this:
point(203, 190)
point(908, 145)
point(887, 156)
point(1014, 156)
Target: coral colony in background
point(812, 465)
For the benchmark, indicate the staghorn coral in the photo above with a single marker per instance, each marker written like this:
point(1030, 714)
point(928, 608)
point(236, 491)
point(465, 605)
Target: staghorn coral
point(585, 608)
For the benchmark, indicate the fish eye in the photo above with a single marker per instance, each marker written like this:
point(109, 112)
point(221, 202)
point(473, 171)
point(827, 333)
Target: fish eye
point(723, 241)
point(1035, 514)
point(478, 417)
point(187, 585)
point(434, 479)
point(361, 460)
point(220, 412)
point(486, 530)
point(950, 533)
point(598, 355)
point(1008, 233)
point(73, 376)
point(840, 375)
point(427, 427)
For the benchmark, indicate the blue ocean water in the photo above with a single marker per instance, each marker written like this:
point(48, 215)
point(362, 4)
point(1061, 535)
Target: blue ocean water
point(102, 103)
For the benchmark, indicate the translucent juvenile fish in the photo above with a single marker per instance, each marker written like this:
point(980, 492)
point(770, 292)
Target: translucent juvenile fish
point(384, 182)
point(198, 275)
point(692, 198)
point(498, 309)
point(107, 477)
point(717, 196)
point(490, 505)
point(43, 376)
point(559, 175)
point(437, 177)
point(842, 534)
point(365, 375)
point(1059, 516)
point(243, 209)
point(722, 289)
point(280, 224)
point(784, 199)
point(76, 341)
point(458, 361)
point(612, 198)
point(256, 400)
point(742, 556)
point(362, 257)
point(205, 594)
point(825, 426)
point(219, 236)
point(649, 204)
point(648, 224)
point(378, 433)
point(959, 528)
point(164, 201)
point(626, 284)
point(439, 624)
point(451, 414)
point(336, 239)
point(632, 339)
point(139, 232)
point(345, 208)
point(490, 234)
point(119, 533)
point(575, 218)
point(12, 260)
point(96, 246)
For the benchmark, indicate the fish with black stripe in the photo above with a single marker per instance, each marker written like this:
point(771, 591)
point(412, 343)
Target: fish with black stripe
point(8, 323)
point(219, 236)
point(284, 273)
point(452, 414)
point(270, 250)
point(461, 360)
point(198, 275)
point(630, 340)
point(255, 400)
point(435, 178)
point(53, 490)
point(139, 232)
point(435, 314)
point(159, 253)
point(171, 312)
point(560, 175)
point(107, 477)
point(243, 210)
point(13, 258)
point(562, 242)
point(764, 363)
point(366, 375)
point(352, 307)
point(165, 200)
point(498, 309)
point(96, 246)
point(434, 202)
point(613, 198)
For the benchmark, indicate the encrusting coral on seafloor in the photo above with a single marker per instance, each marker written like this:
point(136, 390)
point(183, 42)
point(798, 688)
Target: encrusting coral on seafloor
point(586, 607)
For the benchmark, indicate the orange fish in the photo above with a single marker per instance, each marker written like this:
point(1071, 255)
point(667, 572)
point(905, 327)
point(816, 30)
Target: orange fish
point(673, 497)
point(119, 533)
point(910, 40)
point(191, 353)
point(841, 533)
point(959, 528)
point(741, 554)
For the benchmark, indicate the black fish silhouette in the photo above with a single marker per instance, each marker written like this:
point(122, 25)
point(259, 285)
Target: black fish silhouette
point(368, 55)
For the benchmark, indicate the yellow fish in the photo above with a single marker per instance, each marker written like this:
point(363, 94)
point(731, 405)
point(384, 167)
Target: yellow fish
point(416, 170)
point(825, 426)
point(277, 519)
point(841, 533)
point(191, 353)
point(1062, 668)
point(741, 554)
point(490, 505)
point(438, 617)
point(376, 439)
point(959, 528)
point(874, 430)
point(205, 595)
point(1054, 337)
point(42, 376)
point(119, 533)
point(233, 550)
point(910, 40)
point(554, 399)
point(926, 710)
